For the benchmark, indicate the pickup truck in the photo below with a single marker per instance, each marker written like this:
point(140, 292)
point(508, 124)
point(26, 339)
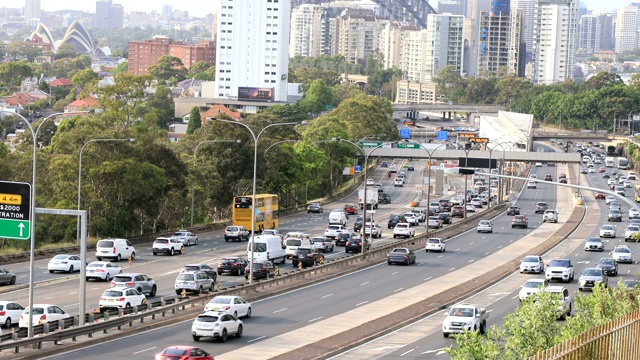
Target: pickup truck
point(401, 256)
point(465, 317)
point(333, 231)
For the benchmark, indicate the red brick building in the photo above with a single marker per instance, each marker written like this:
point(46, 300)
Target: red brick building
point(144, 54)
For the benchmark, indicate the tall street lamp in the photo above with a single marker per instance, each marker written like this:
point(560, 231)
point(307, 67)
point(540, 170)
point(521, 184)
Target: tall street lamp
point(255, 170)
point(193, 186)
point(280, 142)
point(80, 172)
point(629, 121)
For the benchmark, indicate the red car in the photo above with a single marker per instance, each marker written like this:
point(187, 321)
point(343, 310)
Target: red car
point(600, 195)
point(350, 209)
point(183, 353)
point(601, 170)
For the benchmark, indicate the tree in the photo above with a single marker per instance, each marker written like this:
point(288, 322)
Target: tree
point(601, 80)
point(318, 95)
point(450, 83)
point(65, 51)
point(195, 122)
point(85, 77)
point(19, 48)
point(123, 66)
point(12, 73)
point(308, 75)
point(120, 102)
point(168, 68)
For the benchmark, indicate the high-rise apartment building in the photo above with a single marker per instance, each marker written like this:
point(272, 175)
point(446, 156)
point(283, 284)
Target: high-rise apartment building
point(358, 32)
point(606, 19)
point(305, 30)
point(390, 48)
point(252, 49)
point(627, 29)
point(109, 15)
point(500, 48)
point(144, 54)
point(32, 11)
point(475, 7)
point(589, 40)
point(329, 31)
point(528, 10)
point(554, 40)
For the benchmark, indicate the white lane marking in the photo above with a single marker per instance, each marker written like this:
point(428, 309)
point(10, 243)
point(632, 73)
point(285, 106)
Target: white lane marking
point(48, 297)
point(171, 272)
point(429, 278)
point(398, 290)
point(73, 292)
point(256, 339)
point(395, 273)
point(500, 247)
point(472, 260)
point(326, 296)
point(387, 348)
point(141, 351)
point(487, 253)
point(432, 351)
point(456, 249)
point(452, 269)
point(364, 283)
point(471, 243)
point(439, 256)
point(312, 320)
point(277, 311)
point(362, 303)
point(406, 352)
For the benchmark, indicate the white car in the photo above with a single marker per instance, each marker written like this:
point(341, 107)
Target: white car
point(611, 181)
point(627, 184)
point(532, 263)
point(485, 226)
point(370, 182)
point(533, 177)
point(532, 185)
point(373, 229)
point(435, 244)
point(609, 198)
point(622, 179)
point(634, 214)
point(470, 208)
point(64, 262)
point(169, 246)
point(434, 222)
point(398, 182)
point(10, 312)
point(403, 230)
point(630, 231)
point(608, 231)
point(121, 298)
point(591, 170)
point(411, 218)
point(538, 164)
point(531, 287)
point(102, 270)
point(216, 325)
point(631, 175)
point(622, 253)
point(593, 244)
point(230, 304)
point(42, 313)
point(476, 203)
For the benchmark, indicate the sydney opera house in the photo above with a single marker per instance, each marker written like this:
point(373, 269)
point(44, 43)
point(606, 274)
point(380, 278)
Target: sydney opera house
point(76, 35)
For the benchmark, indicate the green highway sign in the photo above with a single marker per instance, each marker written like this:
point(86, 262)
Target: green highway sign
point(15, 229)
point(408, 146)
point(370, 144)
point(15, 210)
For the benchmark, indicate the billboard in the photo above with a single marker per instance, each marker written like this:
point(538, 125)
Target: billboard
point(253, 93)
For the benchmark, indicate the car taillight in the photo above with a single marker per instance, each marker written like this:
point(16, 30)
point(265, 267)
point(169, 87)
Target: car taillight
point(100, 270)
point(235, 264)
point(43, 317)
point(114, 250)
point(112, 283)
point(121, 299)
point(102, 298)
point(129, 283)
point(3, 313)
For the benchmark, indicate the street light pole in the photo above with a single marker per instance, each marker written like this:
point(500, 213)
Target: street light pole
point(279, 142)
point(255, 170)
point(193, 186)
point(80, 173)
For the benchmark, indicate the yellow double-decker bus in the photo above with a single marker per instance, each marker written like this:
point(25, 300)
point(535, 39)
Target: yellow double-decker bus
point(637, 194)
point(266, 209)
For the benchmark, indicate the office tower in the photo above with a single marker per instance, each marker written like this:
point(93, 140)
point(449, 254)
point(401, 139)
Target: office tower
point(626, 29)
point(589, 41)
point(606, 19)
point(305, 30)
point(32, 11)
point(167, 12)
point(554, 40)
point(499, 41)
point(252, 49)
point(528, 9)
point(109, 15)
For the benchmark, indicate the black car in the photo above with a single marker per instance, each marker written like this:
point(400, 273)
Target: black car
point(234, 265)
point(445, 205)
point(608, 266)
point(342, 239)
point(444, 218)
point(394, 220)
point(315, 208)
point(307, 257)
point(513, 210)
point(357, 225)
point(355, 245)
point(261, 270)
point(410, 168)
point(384, 198)
point(614, 215)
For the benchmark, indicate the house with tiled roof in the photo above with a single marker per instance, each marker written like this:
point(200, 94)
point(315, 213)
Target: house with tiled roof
point(215, 110)
point(60, 82)
point(86, 103)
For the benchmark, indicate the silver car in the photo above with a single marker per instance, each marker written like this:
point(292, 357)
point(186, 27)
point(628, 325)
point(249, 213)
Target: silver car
point(7, 277)
point(186, 237)
point(590, 277)
point(140, 282)
point(193, 281)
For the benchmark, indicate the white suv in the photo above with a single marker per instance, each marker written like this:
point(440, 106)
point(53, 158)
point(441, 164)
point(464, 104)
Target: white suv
point(563, 298)
point(559, 269)
point(550, 215)
point(169, 246)
point(404, 230)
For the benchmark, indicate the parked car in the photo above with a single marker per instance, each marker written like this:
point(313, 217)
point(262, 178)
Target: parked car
point(102, 270)
point(216, 325)
point(64, 262)
point(314, 208)
point(193, 281)
point(233, 265)
point(140, 282)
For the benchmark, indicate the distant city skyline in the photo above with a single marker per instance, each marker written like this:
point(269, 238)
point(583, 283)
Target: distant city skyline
point(195, 8)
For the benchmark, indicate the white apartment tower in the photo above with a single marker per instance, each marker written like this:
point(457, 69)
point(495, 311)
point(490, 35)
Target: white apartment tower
point(554, 40)
point(627, 29)
point(357, 34)
point(390, 47)
point(305, 30)
point(589, 33)
point(252, 49)
point(32, 11)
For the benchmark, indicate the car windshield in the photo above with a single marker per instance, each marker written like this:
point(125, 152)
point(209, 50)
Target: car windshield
point(622, 250)
point(293, 242)
point(36, 310)
point(607, 262)
point(207, 318)
point(633, 228)
point(259, 247)
point(533, 284)
point(185, 277)
point(220, 300)
point(92, 265)
point(592, 272)
point(105, 243)
point(112, 293)
point(60, 257)
point(559, 263)
point(317, 240)
point(175, 352)
point(597, 240)
point(530, 259)
point(162, 241)
point(232, 228)
point(464, 312)
point(402, 226)
point(485, 222)
point(179, 234)
point(433, 241)
point(303, 251)
point(191, 267)
point(404, 251)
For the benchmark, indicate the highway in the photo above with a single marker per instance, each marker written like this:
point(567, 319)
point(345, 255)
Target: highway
point(278, 315)
point(424, 340)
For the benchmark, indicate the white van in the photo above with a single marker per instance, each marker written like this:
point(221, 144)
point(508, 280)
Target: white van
point(292, 244)
point(337, 218)
point(116, 249)
point(267, 248)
